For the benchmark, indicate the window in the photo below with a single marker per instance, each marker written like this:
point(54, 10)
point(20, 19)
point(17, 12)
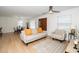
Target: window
point(64, 22)
point(20, 23)
point(32, 24)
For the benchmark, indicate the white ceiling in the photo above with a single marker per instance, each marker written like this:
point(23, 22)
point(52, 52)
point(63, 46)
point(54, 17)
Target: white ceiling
point(29, 11)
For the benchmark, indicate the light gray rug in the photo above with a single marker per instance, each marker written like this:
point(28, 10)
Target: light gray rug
point(47, 45)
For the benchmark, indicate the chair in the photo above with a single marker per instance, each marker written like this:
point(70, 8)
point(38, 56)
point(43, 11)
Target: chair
point(72, 34)
point(0, 31)
point(59, 35)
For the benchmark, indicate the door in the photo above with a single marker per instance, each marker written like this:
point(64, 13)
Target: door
point(43, 23)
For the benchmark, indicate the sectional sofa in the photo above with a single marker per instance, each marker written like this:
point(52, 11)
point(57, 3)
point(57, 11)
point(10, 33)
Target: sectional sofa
point(30, 38)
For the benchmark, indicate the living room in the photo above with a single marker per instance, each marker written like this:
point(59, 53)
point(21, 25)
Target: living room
point(14, 20)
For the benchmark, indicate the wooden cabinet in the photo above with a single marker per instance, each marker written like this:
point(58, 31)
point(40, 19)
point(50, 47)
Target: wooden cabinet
point(43, 23)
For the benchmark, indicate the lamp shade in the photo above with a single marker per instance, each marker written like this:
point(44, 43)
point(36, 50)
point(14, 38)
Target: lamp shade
point(76, 41)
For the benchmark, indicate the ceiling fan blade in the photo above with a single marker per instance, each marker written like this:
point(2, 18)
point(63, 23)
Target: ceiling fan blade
point(55, 11)
point(44, 13)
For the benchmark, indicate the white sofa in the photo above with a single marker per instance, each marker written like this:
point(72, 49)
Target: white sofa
point(27, 39)
point(58, 34)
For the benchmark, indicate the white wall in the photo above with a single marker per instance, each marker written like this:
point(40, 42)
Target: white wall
point(51, 23)
point(52, 18)
point(8, 23)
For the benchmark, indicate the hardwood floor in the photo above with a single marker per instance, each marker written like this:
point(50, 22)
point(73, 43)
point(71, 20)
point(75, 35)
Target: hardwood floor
point(11, 43)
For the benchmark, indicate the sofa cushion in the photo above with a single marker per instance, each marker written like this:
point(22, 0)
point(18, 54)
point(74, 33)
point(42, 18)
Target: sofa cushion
point(28, 32)
point(39, 30)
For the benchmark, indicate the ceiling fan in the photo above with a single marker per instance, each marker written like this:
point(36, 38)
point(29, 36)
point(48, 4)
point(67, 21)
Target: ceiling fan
point(51, 10)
